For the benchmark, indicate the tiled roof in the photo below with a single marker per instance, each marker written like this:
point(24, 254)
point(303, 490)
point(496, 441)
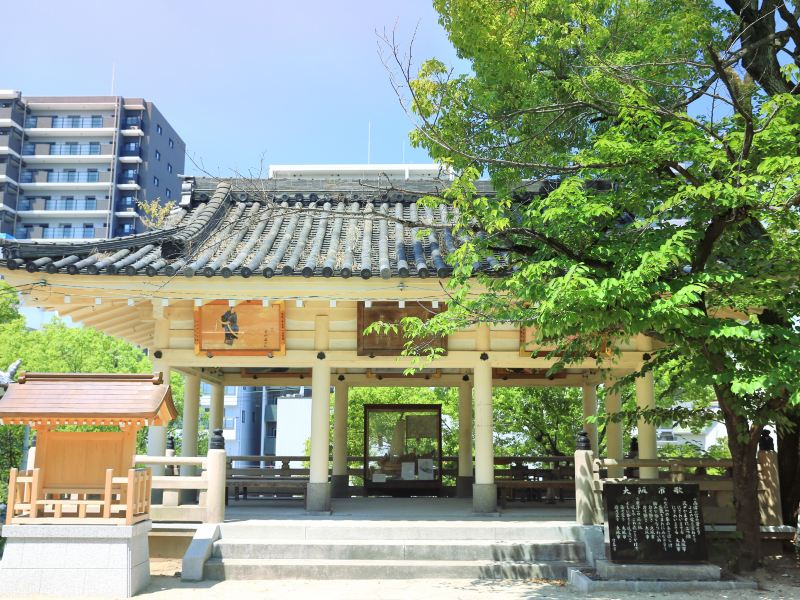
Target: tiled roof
point(303, 228)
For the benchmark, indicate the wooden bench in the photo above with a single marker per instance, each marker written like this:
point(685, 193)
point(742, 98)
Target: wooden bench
point(504, 486)
point(269, 480)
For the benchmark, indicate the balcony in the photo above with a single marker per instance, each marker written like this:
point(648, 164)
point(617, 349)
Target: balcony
point(47, 153)
point(62, 149)
point(9, 170)
point(128, 177)
point(69, 179)
point(61, 233)
point(62, 204)
point(131, 149)
point(41, 126)
point(13, 142)
point(12, 113)
point(130, 153)
point(126, 204)
point(7, 199)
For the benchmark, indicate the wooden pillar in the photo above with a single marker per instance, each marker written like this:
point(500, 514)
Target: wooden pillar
point(590, 410)
point(318, 493)
point(613, 428)
point(646, 432)
point(484, 492)
point(191, 416)
point(339, 478)
point(217, 411)
point(157, 434)
point(465, 477)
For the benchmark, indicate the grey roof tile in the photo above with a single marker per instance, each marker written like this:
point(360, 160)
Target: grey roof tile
point(291, 228)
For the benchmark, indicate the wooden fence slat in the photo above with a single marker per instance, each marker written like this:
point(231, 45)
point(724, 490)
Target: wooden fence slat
point(12, 495)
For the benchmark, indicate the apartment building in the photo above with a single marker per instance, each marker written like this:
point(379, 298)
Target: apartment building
point(74, 167)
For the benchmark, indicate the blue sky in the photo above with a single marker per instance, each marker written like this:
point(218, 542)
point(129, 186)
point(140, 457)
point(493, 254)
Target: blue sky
point(296, 82)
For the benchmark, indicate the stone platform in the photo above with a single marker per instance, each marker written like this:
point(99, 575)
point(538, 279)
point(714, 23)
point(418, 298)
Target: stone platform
point(400, 538)
point(75, 560)
point(642, 577)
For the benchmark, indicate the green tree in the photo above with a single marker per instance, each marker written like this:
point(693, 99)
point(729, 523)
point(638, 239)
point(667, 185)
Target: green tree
point(9, 304)
point(663, 137)
point(536, 421)
point(57, 348)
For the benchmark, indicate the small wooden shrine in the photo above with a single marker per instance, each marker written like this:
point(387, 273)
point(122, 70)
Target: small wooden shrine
point(81, 476)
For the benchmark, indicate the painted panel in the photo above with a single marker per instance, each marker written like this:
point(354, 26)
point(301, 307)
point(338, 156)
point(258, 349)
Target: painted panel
point(247, 329)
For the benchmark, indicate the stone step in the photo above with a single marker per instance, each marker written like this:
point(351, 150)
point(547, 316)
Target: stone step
point(242, 568)
point(402, 530)
point(464, 550)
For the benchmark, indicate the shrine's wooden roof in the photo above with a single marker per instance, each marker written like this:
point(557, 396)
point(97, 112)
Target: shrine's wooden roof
point(87, 398)
point(271, 228)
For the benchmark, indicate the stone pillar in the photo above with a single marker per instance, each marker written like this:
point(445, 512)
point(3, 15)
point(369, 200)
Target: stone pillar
point(465, 477)
point(590, 410)
point(340, 479)
point(584, 485)
point(217, 464)
point(613, 428)
point(769, 499)
point(217, 412)
point(645, 399)
point(484, 492)
point(318, 493)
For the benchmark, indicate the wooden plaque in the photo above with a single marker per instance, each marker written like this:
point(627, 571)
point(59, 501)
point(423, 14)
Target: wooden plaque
point(247, 329)
point(392, 344)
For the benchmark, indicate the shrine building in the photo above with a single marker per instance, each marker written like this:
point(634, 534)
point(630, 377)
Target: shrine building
point(272, 282)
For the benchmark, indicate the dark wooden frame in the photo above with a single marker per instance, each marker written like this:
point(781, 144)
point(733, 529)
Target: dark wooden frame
point(380, 345)
point(400, 487)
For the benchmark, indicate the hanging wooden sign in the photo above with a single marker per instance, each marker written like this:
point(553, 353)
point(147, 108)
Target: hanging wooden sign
point(392, 344)
point(247, 329)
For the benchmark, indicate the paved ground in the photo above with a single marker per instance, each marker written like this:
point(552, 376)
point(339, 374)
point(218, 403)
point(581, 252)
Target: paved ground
point(393, 509)
point(170, 588)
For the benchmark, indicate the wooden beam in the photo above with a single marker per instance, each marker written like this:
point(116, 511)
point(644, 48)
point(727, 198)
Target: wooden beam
point(204, 374)
point(343, 359)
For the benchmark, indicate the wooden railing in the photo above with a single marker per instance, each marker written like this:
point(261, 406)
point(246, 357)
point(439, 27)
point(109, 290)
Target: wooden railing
point(122, 500)
point(713, 477)
point(283, 474)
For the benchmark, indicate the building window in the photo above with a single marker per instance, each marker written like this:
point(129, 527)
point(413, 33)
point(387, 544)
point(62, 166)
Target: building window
point(158, 155)
point(169, 193)
point(155, 181)
point(158, 129)
point(169, 167)
point(171, 143)
point(272, 429)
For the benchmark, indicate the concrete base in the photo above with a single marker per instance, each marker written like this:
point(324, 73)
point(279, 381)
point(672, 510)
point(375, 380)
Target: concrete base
point(340, 485)
point(464, 486)
point(580, 582)
point(75, 560)
point(657, 572)
point(594, 542)
point(484, 498)
point(199, 552)
point(318, 497)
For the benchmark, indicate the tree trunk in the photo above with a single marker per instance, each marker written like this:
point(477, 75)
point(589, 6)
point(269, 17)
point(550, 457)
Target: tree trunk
point(745, 493)
point(789, 467)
